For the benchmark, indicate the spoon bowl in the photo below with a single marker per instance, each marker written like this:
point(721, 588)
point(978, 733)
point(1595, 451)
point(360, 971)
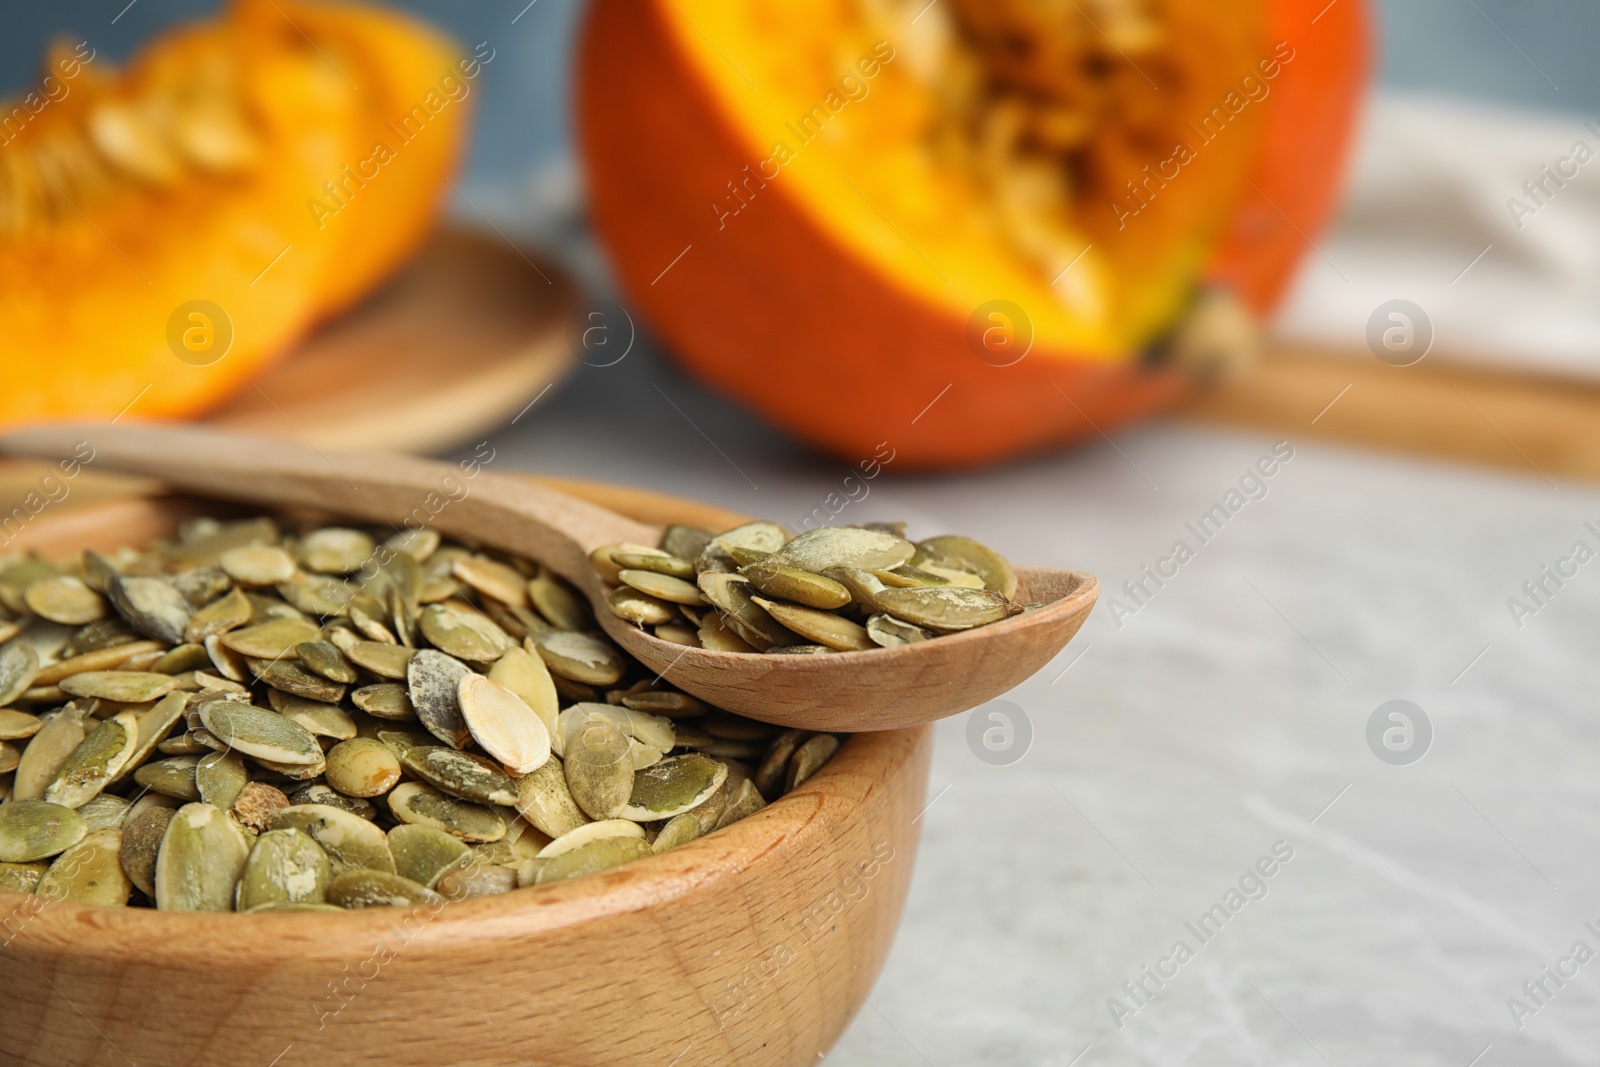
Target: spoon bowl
point(877, 689)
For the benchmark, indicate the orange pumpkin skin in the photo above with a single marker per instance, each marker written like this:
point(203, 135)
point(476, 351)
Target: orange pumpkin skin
point(95, 283)
point(774, 312)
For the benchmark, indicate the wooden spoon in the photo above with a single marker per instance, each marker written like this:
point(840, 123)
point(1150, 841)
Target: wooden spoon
point(879, 689)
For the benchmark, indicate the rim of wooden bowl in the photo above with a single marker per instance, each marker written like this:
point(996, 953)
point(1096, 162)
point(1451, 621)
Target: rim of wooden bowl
point(727, 853)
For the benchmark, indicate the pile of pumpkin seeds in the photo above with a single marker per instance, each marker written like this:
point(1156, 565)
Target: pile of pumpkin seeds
point(259, 715)
point(836, 589)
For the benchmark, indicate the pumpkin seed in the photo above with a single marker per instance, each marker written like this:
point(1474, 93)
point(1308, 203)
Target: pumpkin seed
point(434, 681)
point(662, 587)
point(678, 634)
point(257, 805)
point(350, 842)
point(599, 766)
point(558, 602)
point(640, 608)
point(422, 853)
point(832, 631)
point(47, 752)
point(503, 724)
point(591, 859)
point(680, 830)
point(324, 658)
point(320, 793)
point(335, 550)
point(844, 546)
point(257, 564)
point(800, 586)
point(218, 617)
point(998, 575)
point(95, 762)
point(889, 632)
point(362, 767)
point(323, 720)
point(152, 606)
point(476, 880)
point(579, 657)
point(545, 801)
point(385, 700)
point(417, 542)
point(463, 634)
point(685, 542)
point(272, 639)
point(672, 787)
point(10, 756)
point(374, 889)
point(37, 829)
point(774, 769)
point(589, 833)
point(21, 877)
point(132, 687)
point(422, 805)
point(746, 801)
point(666, 703)
point(104, 812)
point(19, 663)
point(758, 536)
point(262, 734)
point(461, 774)
point(201, 858)
point(945, 609)
point(317, 595)
point(293, 678)
point(171, 777)
point(284, 865)
point(809, 758)
point(221, 777)
point(603, 559)
point(90, 872)
point(656, 562)
point(64, 599)
point(142, 834)
point(492, 578)
point(386, 661)
point(526, 675)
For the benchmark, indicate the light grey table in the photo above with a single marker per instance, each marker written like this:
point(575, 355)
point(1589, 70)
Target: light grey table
point(1227, 714)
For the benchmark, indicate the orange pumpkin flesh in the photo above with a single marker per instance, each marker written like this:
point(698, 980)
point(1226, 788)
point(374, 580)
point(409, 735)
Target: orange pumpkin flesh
point(191, 176)
point(827, 271)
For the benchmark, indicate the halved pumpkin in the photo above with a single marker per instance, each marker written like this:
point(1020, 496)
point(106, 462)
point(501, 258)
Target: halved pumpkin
point(160, 235)
point(964, 227)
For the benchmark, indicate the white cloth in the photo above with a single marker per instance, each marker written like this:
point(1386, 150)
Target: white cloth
point(1428, 193)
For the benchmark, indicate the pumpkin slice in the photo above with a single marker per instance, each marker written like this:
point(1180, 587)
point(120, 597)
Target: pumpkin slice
point(158, 237)
point(958, 229)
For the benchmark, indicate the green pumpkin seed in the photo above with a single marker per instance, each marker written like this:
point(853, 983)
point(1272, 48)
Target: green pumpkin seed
point(386, 661)
point(685, 542)
point(820, 627)
point(672, 566)
point(19, 663)
point(131, 687)
point(152, 606)
point(545, 801)
point(673, 787)
point(461, 774)
point(476, 880)
point(363, 767)
point(887, 631)
point(598, 762)
point(662, 587)
point(998, 575)
point(493, 579)
point(95, 762)
point(385, 700)
point(261, 734)
point(640, 608)
point(316, 595)
point(36, 830)
point(678, 634)
point(284, 865)
point(603, 559)
point(104, 812)
point(591, 859)
point(272, 639)
point(434, 681)
point(758, 536)
point(257, 564)
point(579, 657)
point(503, 724)
point(349, 841)
point(64, 599)
point(945, 609)
point(844, 546)
point(295, 679)
point(142, 835)
point(90, 872)
point(47, 751)
point(10, 756)
point(680, 830)
point(559, 603)
point(273, 907)
point(181, 660)
point(792, 583)
point(221, 777)
point(422, 853)
point(746, 801)
point(218, 617)
point(774, 769)
point(202, 855)
point(324, 658)
point(321, 793)
point(335, 550)
point(589, 833)
point(666, 703)
point(526, 675)
point(423, 805)
point(21, 877)
point(171, 777)
point(731, 593)
point(322, 720)
point(418, 542)
point(463, 634)
point(809, 758)
point(376, 889)
point(257, 804)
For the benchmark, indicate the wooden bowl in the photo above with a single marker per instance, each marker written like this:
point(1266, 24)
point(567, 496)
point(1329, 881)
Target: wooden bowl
point(754, 945)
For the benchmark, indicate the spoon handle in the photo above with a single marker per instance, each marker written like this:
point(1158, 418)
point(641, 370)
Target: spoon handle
point(460, 499)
